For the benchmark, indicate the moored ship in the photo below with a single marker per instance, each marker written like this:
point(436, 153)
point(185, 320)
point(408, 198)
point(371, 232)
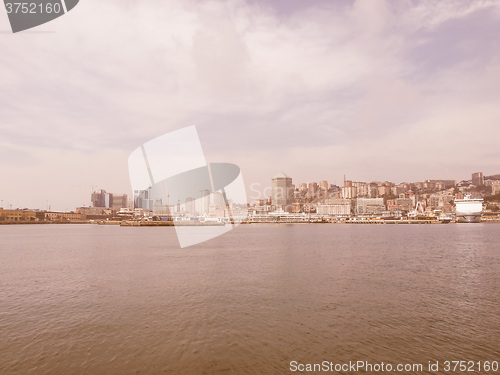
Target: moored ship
point(469, 210)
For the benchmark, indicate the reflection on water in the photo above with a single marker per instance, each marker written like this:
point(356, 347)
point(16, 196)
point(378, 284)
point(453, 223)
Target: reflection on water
point(82, 299)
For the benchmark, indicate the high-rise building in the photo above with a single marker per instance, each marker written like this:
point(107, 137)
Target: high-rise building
point(349, 191)
point(323, 185)
point(190, 206)
point(100, 198)
point(142, 200)
point(282, 192)
point(384, 190)
point(107, 200)
point(313, 188)
point(204, 202)
point(478, 179)
point(362, 189)
point(219, 201)
point(118, 201)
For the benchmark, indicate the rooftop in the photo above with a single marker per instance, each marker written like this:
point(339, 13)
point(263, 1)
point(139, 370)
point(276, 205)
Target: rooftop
point(282, 175)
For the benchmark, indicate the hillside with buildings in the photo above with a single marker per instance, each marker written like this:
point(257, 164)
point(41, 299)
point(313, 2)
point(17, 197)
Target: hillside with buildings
point(305, 201)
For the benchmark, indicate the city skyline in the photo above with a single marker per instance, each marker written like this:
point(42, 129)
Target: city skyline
point(100, 197)
point(404, 90)
point(429, 201)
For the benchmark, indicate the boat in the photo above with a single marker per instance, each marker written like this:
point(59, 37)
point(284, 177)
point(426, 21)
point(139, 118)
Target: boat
point(445, 219)
point(109, 222)
point(468, 210)
point(169, 223)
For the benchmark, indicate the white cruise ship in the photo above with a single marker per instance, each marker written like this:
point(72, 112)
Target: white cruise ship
point(468, 210)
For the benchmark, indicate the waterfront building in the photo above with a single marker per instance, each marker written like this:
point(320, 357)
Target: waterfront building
point(60, 216)
point(282, 192)
point(370, 206)
point(14, 216)
point(94, 213)
point(335, 207)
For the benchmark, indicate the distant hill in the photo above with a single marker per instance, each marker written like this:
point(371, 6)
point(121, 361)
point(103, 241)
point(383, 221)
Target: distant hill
point(493, 177)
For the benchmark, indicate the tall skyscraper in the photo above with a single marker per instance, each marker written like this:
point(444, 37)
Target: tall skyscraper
point(313, 189)
point(204, 202)
point(478, 179)
point(190, 206)
point(100, 198)
point(108, 200)
point(118, 201)
point(219, 201)
point(282, 192)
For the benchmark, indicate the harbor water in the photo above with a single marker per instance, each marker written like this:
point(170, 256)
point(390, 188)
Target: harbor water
point(90, 299)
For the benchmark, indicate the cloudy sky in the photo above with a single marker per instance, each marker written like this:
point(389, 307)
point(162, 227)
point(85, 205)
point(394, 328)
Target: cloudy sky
point(376, 90)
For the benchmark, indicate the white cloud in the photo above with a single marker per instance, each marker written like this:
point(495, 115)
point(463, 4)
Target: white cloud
point(429, 14)
point(323, 91)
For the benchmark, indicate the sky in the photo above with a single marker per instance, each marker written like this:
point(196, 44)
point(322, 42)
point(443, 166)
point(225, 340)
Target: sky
point(374, 90)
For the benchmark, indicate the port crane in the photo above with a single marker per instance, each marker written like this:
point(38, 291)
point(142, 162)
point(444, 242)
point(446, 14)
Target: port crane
point(419, 210)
